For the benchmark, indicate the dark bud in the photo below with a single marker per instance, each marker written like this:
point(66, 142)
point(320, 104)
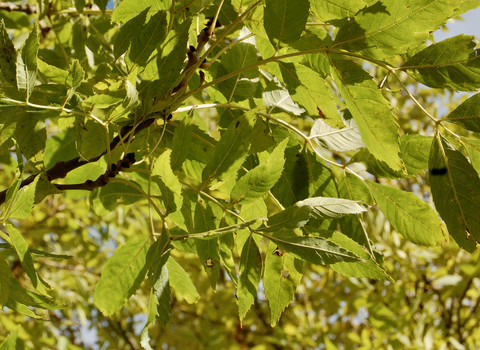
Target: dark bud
point(204, 61)
point(217, 24)
point(114, 166)
point(125, 165)
point(131, 157)
point(111, 175)
point(192, 48)
point(169, 117)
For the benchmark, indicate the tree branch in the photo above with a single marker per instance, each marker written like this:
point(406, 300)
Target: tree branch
point(61, 169)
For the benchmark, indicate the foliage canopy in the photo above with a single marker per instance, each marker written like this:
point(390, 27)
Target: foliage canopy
point(161, 150)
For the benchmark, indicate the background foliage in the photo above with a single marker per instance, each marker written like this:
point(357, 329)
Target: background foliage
point(238, 174)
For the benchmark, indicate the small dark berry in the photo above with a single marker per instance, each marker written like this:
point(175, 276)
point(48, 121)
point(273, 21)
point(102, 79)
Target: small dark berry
point(169, 117)
point(125, 165)
point(131, 157)
point(111, 175)
point(114, 166)
point(192, 48)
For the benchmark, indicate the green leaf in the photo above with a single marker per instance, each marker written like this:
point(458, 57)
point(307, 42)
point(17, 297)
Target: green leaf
point(282, 275)
point(370, 110)
point(162, 71)
point(181, 282)
point(324, 207)
point(8, 56)
point(260, 179)
point(467, 115)
point(276, 96)
point(211, 234)
point(290, 218)
point(285, 20)
point(121, 276)
point(75, 75)
point(367, 268)
point(23, 203)
point(309, 90)
point(335, 139)
point(473, 150)
point(315, 250)
point(250, 276)
point(27, 63)
point(128, 33)
point(450, 64)
point(10, 342)
point(52, 73)
point(28, 298)
point(351, 187)
point(21, 248)
point(243, 85)
point(330, 10)
point(294, 183)
point(321, 182)
point(162, 293)
point(92, 142)
point(456, 193)
point(153, 34)
point(49, 255)
point(181, 142)
point(409, 215)
point(107, 198)
point(414, 151)
point(131, 8)
point(31, 134)
point(208, 250)
point(393, 27)
point(168, 182)
point(231, 150)
point(5, 282)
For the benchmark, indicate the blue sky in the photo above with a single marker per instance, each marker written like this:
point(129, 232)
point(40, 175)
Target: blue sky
point(469, 26)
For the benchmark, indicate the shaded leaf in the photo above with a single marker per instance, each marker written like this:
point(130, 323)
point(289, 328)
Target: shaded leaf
point(284, 20)
point(467, 115)
point(168, 182)
point(121, 276)
point(250, 275)
point(128, 32)
point(181, 142)
point(231, 150)
point(5, 282)
point(452, 63)
point(456, 193)
point(330, 10)
point(315, 250)
point(128, 9)
point(107, 198)
point(27, 63)
point(414, 152)
point(8, 56)
point(290, 218)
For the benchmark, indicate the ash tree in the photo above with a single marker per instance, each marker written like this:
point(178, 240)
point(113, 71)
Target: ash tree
point(158, 151)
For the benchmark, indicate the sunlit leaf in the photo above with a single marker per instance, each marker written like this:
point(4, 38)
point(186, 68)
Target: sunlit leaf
point(409, 215)
point(324, 207)
point(467, 115)
point(370, 110)
point(7, 56)
point(341, 140)
point(181, 282)
point(27, 63)
point(392, 27)
point(121, 276)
